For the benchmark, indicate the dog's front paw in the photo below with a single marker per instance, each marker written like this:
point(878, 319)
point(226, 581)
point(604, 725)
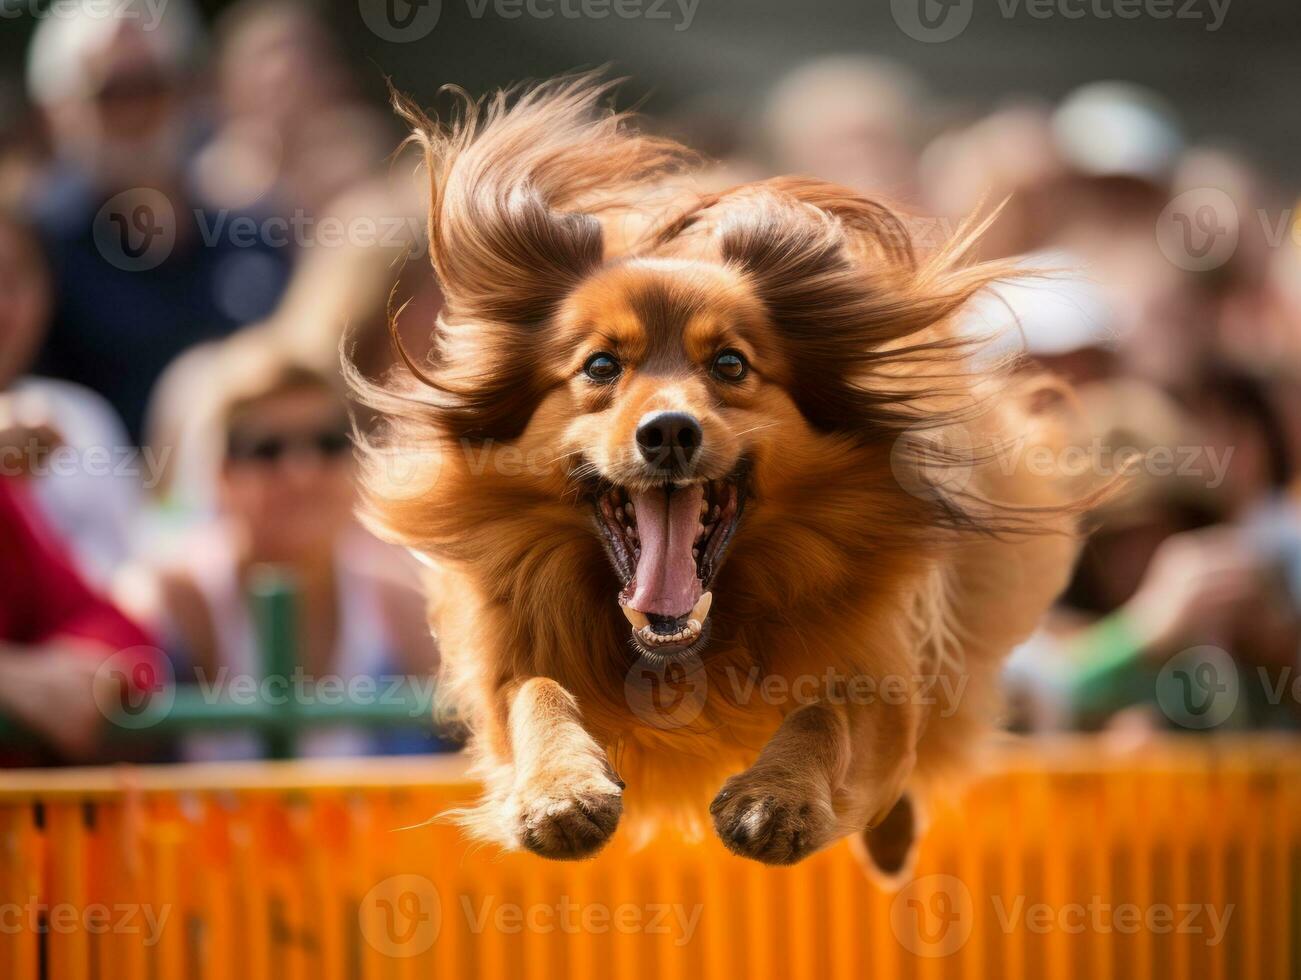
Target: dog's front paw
point(770, 821)
point(571, 819)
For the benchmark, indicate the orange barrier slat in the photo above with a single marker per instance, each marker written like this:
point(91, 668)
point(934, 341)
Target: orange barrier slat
point(19, 885)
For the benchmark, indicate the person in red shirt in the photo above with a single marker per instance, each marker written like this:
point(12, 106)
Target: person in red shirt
point(55, 635)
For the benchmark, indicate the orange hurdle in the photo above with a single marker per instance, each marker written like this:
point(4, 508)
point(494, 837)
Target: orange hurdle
point(1060, 862)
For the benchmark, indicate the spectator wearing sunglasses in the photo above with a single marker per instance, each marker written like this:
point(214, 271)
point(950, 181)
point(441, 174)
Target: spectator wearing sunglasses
point(275, 435)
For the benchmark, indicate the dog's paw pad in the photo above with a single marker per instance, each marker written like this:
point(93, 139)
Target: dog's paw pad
point(768, 827)
point(572, 826)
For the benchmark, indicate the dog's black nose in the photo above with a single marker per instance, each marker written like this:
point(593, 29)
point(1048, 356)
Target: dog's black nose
point(668, 440)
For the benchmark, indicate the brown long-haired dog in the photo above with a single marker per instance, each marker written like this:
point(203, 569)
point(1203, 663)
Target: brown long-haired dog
point(720, 513)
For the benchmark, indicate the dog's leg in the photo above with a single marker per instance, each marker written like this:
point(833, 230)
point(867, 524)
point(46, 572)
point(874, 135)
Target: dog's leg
point(557, 794)
point(829, 770)
point(887, 851)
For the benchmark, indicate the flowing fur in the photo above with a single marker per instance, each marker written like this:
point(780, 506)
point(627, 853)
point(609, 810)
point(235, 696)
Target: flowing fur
point(889, 535)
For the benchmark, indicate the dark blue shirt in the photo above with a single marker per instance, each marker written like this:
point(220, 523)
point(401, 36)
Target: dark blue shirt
point(138, 280)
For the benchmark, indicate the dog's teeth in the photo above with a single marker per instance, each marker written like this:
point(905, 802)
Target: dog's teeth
point(701, 609)
point(628, 509)
point(693, 626)
point(638, 619)
point(695, 552)
point(717, 511)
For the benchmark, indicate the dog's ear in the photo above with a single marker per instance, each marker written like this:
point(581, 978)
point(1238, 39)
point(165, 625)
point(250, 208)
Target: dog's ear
point(516, 182)
point(856, 312)
point(502, 253)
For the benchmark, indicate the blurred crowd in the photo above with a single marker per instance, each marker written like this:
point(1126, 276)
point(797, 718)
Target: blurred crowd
point(193, 216)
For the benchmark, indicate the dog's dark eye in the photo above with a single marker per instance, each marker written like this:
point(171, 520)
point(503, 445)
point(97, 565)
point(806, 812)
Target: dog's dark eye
point(602, 367)
point(730, 366)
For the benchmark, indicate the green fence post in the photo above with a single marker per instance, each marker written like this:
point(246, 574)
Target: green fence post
point(274, 600)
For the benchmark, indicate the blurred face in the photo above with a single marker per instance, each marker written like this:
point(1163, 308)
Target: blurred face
point(855, 146)
point(279, 69)
point(24, 303)
point(287, 479)
point(127, 130)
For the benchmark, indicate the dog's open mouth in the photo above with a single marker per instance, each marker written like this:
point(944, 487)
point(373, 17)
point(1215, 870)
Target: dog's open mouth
point(667, 544)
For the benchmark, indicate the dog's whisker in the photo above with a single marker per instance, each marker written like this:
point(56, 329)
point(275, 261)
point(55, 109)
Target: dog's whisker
point(756, 428)
point(572, 452)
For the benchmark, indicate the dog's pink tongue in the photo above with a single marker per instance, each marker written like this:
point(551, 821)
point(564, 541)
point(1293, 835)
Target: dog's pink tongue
point(666, 583)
